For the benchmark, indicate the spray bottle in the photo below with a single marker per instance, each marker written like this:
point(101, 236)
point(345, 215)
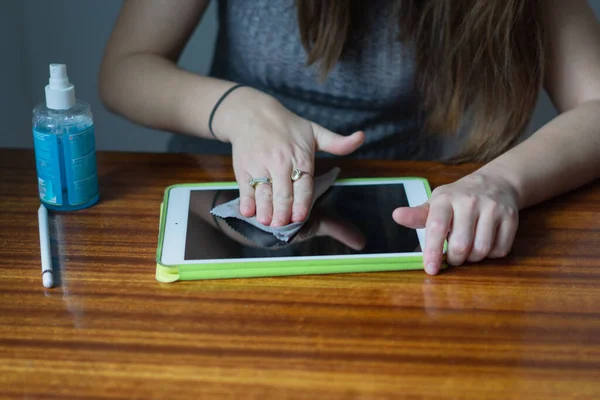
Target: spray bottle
point(65, 146)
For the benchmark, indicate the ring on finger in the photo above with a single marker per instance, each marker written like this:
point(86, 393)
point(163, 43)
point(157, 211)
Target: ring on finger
point(297, 174)
point(254, 182)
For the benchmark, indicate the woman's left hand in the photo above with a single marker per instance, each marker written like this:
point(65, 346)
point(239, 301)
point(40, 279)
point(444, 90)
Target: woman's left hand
point(477, 214)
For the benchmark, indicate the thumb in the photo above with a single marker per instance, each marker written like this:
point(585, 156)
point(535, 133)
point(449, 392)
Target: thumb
point(412, 217)
point(337, 144)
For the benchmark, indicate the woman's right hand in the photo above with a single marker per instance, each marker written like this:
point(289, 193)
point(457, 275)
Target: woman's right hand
point(269, 141)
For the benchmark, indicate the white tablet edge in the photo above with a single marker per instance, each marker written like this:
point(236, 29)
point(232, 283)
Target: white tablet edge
point(175, 230)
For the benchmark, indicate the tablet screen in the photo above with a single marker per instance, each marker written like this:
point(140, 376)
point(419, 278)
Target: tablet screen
point(346, 220)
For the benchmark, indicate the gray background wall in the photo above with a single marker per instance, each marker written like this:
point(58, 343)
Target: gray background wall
point(35, 33)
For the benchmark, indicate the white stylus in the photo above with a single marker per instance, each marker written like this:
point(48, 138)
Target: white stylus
point(47, 272)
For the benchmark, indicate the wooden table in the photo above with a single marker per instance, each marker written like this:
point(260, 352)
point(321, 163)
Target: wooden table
point(527, 326)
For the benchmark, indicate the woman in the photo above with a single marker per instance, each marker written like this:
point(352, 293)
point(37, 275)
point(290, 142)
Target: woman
point(317, 70)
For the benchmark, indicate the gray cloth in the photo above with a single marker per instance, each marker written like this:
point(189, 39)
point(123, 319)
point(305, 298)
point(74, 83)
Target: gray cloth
point(370, 89)
point(285, 233)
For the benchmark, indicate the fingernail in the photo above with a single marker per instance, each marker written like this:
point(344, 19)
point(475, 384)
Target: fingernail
point(431, 269)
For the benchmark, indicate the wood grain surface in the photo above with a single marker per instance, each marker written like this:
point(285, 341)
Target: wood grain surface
point(527, 326)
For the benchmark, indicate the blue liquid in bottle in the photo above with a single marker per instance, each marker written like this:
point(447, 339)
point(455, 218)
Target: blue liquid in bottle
point(65, 148)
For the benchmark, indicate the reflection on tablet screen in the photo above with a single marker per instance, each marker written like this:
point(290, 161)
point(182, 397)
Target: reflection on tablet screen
point(347, 220)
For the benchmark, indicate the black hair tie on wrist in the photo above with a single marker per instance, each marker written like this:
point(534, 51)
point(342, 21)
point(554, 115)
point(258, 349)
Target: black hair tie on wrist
point(212, 114)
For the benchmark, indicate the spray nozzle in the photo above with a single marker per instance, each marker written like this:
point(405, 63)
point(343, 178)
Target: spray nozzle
point(60, 93)
point(58, 76)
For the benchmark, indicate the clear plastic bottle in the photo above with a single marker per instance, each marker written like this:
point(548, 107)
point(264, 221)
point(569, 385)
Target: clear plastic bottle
point(65, 147)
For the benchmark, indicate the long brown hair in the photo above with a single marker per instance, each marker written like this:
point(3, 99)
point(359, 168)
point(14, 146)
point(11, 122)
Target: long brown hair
point(481, 58)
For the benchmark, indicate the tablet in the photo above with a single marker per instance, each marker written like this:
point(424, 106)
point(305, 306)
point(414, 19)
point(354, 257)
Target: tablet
point(350, 229)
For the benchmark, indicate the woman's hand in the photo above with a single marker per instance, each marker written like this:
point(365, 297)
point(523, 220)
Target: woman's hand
point(269, 141)
point(477, 214)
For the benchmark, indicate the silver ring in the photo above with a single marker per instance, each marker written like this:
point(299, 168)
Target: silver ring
point(254, 182)
point(297, 174)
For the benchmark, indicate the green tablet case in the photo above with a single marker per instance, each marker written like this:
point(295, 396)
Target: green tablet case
point(254, 269)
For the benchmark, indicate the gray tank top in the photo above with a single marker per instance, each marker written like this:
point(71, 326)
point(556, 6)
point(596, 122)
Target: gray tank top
point(370, 89)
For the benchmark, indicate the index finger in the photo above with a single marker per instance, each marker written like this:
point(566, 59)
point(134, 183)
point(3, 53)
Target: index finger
point(303, 194)
point(436, 231)
point(303, 189)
